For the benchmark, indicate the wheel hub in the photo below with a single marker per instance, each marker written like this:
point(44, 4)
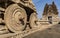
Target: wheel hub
point(18, 19)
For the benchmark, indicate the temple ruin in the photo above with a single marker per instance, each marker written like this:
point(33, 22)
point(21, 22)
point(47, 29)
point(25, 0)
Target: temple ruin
point(50, 13)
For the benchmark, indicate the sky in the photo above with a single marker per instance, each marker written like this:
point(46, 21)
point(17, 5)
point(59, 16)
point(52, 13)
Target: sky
point(39, 4)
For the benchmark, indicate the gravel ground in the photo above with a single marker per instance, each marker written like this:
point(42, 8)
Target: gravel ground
point(52, 32)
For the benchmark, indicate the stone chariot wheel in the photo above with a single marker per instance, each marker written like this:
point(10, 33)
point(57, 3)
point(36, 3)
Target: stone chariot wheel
point(33, 20)
point(15, 18)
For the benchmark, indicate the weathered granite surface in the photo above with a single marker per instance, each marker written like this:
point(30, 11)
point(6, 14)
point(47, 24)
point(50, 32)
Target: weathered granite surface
point(53, 32)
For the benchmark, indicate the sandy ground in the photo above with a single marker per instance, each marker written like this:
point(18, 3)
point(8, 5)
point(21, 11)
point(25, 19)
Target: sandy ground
point(52, 32)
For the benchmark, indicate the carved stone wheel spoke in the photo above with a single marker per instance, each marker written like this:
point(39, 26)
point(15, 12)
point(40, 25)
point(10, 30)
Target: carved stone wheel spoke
point(33, 20)
point(15, 18)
